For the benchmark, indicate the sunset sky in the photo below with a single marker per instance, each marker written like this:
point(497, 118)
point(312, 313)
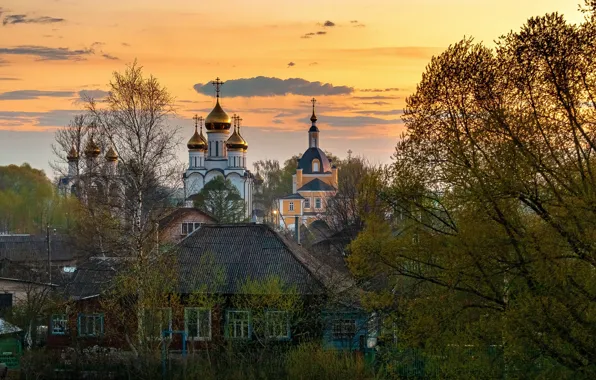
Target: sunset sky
point(360, 59)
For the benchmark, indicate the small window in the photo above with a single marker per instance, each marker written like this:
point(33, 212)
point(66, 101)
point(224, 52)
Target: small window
point(307, 203)
point(315, 166)
point(189, 227)
point(317, 203)
point(197, 323)
point(278, 325)
point(153, 322)
point(343, 329)
point(90, 324)
point(291, 206)
point(238, 324)
point(59, 324)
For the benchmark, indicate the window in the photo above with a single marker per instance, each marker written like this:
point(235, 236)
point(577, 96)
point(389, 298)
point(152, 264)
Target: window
point(291, 206)
point(5, 302)
point(278, 325)
point(197, 323)
point(306, 202)
point(90, 324)
point(343, 329)
point(238, 324)
point(59, 324)
point(315, 166)
point(152, 322)
point(317, 203)
point(189, 227)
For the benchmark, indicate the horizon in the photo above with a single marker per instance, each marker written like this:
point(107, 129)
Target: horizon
point(360, 62)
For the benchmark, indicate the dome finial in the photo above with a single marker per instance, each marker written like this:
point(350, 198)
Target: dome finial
point(313, 118)
point(217, 83)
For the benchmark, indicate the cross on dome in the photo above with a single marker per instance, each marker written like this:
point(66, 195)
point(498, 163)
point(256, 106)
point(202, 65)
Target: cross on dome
point(217, 83)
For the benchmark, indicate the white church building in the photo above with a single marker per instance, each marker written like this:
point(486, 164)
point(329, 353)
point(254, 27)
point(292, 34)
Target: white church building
point(222, 153)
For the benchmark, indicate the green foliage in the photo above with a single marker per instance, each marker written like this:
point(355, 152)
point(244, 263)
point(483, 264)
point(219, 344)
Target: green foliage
point(220, 198)
point(490, 243)
point(29, 202)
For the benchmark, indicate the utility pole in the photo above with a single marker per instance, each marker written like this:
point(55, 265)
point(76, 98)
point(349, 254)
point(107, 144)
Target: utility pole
point(49, 248)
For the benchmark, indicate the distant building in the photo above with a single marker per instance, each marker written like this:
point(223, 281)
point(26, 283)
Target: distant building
point(222, 153)
point(98, 179)
point(313, 185)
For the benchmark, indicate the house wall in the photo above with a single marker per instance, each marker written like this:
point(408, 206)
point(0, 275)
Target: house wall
point(19, 289)
point(173, 231)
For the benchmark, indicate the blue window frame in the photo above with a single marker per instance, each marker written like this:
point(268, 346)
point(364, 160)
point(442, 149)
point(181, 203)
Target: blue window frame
point(278, 324)
point(59, 324)
point(238, 324)
point(91, 325)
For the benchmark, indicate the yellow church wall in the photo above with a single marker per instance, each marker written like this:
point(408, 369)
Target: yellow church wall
point(285, 207)
point(316, 194)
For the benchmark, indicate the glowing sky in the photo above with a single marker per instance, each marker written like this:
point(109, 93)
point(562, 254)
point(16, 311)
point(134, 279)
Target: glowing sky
point(367, 56)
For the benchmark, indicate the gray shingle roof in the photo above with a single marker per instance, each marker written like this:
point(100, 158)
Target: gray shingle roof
point(293, 196)
point(222, 257)
point(93, 277)
point(317, 185)
point(31, 248)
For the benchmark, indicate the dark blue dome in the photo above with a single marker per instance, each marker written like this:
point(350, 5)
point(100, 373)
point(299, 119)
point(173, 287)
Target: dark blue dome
point(305, 162)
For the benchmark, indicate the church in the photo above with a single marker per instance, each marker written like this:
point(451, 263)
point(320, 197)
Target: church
point(313, 186)
point(222, 153)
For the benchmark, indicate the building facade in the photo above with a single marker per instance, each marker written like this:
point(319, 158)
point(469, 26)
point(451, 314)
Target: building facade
point(313, 185)
point(222, 153)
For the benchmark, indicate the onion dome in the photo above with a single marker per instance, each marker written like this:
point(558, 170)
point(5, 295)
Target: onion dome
point(92, 149)
point(236, 142)
point(197, 141)
point(218, 119)
point(72, 155)
point(111, 154)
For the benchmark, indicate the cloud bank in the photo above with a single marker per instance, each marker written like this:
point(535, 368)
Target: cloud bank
point(266, 86)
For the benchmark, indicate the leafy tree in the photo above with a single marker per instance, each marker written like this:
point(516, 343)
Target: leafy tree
point(28, 201)
point(495, 181)
point(221, 198)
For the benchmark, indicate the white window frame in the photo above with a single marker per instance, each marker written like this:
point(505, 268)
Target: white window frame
point(318, 203)
point(190, 227)
point(161, 327)
point(96, 317)
point(291, 208)
point(59, 320)
point(243, 324)
point(315, 166)
point(269, 322)
point(198, 310)
point(307, 202)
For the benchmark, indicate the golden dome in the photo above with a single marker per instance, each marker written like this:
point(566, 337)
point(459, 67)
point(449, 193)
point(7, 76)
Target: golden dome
point(218, 119)
point(73, 155)
point(92, 150)
point(197, 141)
point(111, 154)
point(236, 141)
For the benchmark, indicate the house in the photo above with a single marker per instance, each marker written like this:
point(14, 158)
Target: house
point(224, 262)
point(179, 222)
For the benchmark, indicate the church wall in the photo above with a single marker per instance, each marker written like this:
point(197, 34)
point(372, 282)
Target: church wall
point(193, 183)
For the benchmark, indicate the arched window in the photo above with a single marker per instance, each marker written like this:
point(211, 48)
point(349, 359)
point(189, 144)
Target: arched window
point(315, 166)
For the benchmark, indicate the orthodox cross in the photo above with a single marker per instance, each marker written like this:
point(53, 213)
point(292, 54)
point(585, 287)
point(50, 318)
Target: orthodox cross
point(200, 119)
point(196, 119)
point(235, 121)
point(239, 120)
point(217, 83)
point(313, 101)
